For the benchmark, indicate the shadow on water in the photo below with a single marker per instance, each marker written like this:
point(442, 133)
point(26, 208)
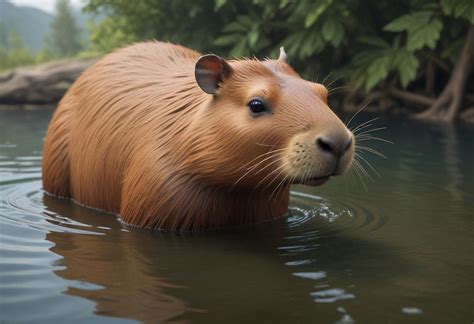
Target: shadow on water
point(451, 153)
point(161, 276)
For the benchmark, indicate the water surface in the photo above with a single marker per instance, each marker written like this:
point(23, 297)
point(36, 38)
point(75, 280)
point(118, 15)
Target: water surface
point(400, 252)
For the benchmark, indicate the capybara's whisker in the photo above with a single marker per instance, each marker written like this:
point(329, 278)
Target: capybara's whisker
point(267, 145)
point(277, 188)
point(354, 116)
point(331, 91)
point(358, 169)
point(262, 155)
point(266, 158)
point(368, 164)
point(352, 183)
point(363, 125)
point(362, 138)
point(326, 78)
point(268, 165)
point(369, 149)
point(269, 175)
point(362, 168)
point(368, 131)
point(331, 83)
point(249, 170)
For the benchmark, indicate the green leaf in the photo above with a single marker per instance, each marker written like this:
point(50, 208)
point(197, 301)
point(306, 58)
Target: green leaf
point(398, 24)
point(293, 42)
point(377, 71)
point(374, 41)
point(253, 36)
point(226, 40)
point(396, 41)
point(423, 29)
point(313, 16)
point(313, 43)
point(329, 29)
point(306, 50)
point(407, 66)
point(219, 4)
point(365, 58)
point(283, 3)
point(426, 35)
point(409, 21)
point(240, 49)
point(245, 21)
point(448, 6)
point(338, 35)
point(459, 9)
point(234, 27)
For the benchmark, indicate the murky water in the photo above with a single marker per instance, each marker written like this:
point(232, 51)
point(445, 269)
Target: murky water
point(400, 252)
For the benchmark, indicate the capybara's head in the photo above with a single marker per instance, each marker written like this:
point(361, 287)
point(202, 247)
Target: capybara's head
point(264, 126)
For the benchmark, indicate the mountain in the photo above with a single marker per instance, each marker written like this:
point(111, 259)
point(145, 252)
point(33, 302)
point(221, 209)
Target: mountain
point(32, 24)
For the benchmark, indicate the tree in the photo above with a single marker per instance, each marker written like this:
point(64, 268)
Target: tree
point(3, 35)
point(14, 53)
point(65, 37)
point(385, 50)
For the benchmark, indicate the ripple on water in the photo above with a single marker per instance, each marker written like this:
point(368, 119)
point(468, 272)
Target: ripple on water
point(312, 219)
point(27, 265)
point(412, 311)
point(22, 205)
point(344, 215)
point(331, 295)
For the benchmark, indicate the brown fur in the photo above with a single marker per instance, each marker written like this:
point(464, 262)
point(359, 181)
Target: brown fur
point(136, 136)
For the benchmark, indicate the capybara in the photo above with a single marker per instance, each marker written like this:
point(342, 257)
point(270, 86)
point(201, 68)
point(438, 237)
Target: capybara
point(170, 139)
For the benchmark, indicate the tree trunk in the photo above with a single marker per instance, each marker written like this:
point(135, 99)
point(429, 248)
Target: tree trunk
point(430, 78)
point(447, 105)
point(42, 84)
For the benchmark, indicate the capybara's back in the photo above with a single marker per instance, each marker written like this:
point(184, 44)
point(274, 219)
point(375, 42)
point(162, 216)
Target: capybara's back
point(109, 116)
point(171, 139)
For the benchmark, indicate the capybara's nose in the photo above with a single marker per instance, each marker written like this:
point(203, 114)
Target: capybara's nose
point(334, 145)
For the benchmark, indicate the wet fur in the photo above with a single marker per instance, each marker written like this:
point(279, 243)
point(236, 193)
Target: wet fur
point(136, 136)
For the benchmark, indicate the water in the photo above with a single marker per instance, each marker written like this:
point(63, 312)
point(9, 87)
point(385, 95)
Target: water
point(400, 252)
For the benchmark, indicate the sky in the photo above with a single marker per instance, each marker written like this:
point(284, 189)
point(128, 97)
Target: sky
point(46, 5)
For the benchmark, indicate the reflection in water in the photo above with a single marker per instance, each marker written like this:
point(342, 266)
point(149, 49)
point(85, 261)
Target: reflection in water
point(114, 263)
point(151, 276)
point(402, 251)
point(452, 162)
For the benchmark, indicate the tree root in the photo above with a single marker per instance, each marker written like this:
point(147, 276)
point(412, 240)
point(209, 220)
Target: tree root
point(447, 106)
point(411, 97)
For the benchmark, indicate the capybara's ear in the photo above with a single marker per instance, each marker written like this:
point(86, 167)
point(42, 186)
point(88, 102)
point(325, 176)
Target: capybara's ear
point(210, 72)
point(283, 57)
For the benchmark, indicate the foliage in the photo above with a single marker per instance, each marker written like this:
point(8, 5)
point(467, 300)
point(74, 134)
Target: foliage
point(65, 37)
point(110, 34)
point(13, 53)
point(370, 42)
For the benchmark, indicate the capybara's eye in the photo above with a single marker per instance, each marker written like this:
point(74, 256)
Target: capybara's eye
point(256, 107)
